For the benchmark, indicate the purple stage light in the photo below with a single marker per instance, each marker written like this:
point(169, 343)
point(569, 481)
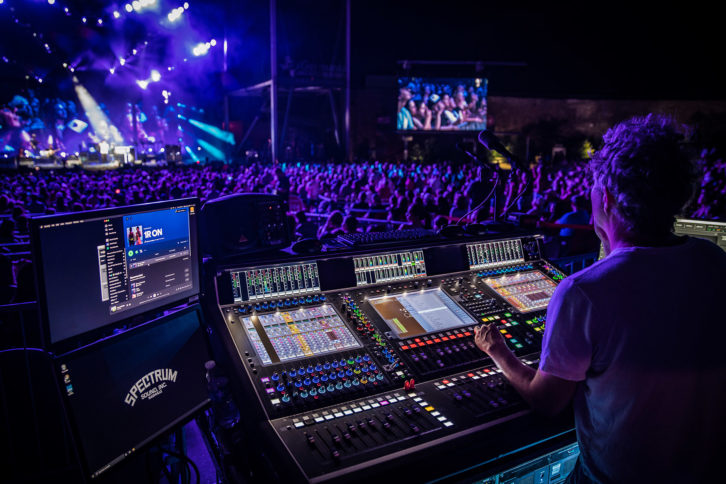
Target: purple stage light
point(51, 2)
point(143, 84)
point(155, 75)
point(116, 14)
point(129, 8)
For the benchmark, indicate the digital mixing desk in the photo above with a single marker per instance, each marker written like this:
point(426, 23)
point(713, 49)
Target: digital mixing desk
point(353, 360)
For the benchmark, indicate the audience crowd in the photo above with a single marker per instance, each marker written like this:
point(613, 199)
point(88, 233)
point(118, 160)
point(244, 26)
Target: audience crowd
point(326, 200)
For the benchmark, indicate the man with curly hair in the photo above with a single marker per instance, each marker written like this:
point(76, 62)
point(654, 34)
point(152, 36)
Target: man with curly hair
point(635, 341)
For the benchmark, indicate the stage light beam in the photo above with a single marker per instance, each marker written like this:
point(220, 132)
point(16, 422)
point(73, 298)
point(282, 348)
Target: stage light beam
point(96, 117)
point(192, 154)
point(220, 134)
point(211, 149)
point(155, 75)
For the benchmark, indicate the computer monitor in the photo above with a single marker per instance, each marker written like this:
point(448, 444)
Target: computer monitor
point(124, 391)
point(96, 270)
point(710, 230)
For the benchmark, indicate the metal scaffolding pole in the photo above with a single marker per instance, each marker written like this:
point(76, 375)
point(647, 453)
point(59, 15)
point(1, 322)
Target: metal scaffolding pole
point(346, 129)
point(273, 80)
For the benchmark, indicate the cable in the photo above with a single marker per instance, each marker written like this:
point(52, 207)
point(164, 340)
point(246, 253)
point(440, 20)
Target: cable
point(496, 182)
point(186, 459)
point(519, 195)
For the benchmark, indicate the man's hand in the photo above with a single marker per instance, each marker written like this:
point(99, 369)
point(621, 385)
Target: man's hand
point(488, 339)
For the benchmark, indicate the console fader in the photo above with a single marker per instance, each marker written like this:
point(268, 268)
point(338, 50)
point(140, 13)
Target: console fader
point(354, 359)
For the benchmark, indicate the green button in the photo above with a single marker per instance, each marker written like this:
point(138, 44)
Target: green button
point(351, 361)
point(518, 345)
point(509, 315)
point(514, 322)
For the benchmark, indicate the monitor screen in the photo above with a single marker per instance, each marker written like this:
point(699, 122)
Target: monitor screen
point(101, 267)
point(421, 312)
point(441, 104)
point(126, 390)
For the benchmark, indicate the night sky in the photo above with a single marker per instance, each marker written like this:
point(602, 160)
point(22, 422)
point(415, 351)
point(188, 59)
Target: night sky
point(598, 50)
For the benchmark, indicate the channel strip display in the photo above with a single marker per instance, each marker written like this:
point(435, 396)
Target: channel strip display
point(492, 254)
point(275, 282)
point(381, 268)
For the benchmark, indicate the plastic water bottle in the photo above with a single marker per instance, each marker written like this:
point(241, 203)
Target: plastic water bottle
point(224, 409)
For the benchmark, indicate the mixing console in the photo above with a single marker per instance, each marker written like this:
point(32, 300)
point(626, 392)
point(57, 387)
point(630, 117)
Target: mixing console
point(355, 359)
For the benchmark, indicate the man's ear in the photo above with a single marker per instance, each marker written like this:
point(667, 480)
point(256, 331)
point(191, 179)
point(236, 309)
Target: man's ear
point(608, 201)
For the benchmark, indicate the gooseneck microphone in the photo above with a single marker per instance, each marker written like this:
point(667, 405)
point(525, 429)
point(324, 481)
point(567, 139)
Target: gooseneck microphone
point(491, 142)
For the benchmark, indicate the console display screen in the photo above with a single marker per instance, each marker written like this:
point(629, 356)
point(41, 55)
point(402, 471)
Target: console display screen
point(526, 291)
point(417, 313)
point(302, 333)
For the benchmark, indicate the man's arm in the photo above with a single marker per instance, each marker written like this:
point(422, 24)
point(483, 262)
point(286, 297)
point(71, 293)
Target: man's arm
point(545, 393)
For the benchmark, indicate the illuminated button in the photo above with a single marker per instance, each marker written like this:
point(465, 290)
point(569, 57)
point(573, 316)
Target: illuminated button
point(310, 369)
point(373, 367)
point(316, 379)
point(347, 384)
point(280, 388)
point(356, 382)
point(351, 361)
point(343, 363)
point(306, 381)
point(334, 364)
point(341, 374)
point(349, 372)
point(275, 376)
point(331, 388)
point(366, 358)
point(324, 378)
point(313, 392)
point(292, 373)
point(321, 390)
point(333, 375)
point(326, 366)
point(318, 367)
point(286, 398)
point(304, 394)
point(379, 376)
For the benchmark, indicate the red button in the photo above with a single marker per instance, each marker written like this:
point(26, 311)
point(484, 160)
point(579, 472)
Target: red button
point(437, 340)
point(470, 375)
point(467, 333)
point(459, 335)
point(446, 382)
point(508, 335)
point(429, 342)
point(405, 347)
point(444, 338)
point(417, 340)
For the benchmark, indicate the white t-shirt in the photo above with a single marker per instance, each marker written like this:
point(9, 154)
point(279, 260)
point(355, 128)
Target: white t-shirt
point(644, 332)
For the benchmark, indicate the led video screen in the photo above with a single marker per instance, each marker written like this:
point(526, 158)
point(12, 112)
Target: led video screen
point(441, 104)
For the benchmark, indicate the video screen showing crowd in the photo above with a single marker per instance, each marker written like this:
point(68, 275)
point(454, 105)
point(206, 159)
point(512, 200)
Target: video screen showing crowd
point(441, 104)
